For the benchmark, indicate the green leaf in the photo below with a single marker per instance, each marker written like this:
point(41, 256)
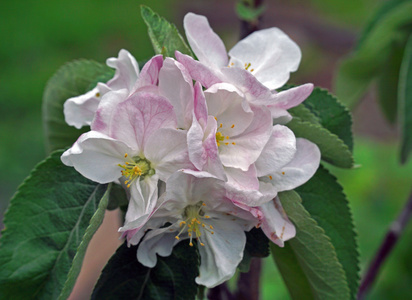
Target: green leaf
point(164, 36)
point(332, 114)
point(332, 148)
point(249, 13)
point(304, 114)
point(324, 199)
point(95, 223)
point(173, 277)
point(405, 102)
point(309, 258)
point(359, 69)
point(117, 197)
point(388, 83)
point(45, 224)
point(72, 79)
point(257, 245)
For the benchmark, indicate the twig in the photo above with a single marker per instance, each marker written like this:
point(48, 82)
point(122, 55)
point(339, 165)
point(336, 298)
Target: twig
point(220, 292)
point(386, 247)
point(248, 283)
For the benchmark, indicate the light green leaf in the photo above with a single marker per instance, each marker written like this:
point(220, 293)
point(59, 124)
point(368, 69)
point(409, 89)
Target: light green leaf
point(357, 72)
point(323, 198)
point(72, 79)
point(95, 223)
point(173, 277)
point(44, 226)
point(249, 13)
point(310, 258)
point(332, 148)
point(303, 113)
point(405, 101)
point(164, 36)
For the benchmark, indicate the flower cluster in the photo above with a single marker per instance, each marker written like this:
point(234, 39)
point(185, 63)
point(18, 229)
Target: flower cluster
point(199, 145)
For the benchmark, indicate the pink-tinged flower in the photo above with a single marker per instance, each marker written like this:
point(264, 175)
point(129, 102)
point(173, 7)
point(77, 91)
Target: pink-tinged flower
point(195, 208)
point(140, 145)
point(79, 111)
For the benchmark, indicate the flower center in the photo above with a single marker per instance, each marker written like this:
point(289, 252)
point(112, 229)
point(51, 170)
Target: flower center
point(193, 216)
point(221, 138)
point(134, 168)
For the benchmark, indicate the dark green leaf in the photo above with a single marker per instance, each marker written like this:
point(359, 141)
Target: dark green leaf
point(304, 114)
point(164, 36)
point(388, 83)
point(117, 197)
point(95, 223)
point(45, 224)
point(311, 258)
point(72, 79)
point(257, 245)
point(333, 149)
point(324, 199)
point(357, 72)
point(405, 101)
point(331, 114)
point(173, 277)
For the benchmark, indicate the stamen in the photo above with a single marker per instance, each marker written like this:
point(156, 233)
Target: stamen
point(270, 176)
point(97, 95)
point(232, 126)
point(283, 173)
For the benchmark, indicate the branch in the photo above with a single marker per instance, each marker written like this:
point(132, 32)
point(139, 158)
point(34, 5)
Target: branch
point(386, 247)
point(247, 27)
point(220, 292)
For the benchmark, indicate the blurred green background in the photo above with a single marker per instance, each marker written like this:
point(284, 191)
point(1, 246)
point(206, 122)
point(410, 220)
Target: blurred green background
point(37, 37)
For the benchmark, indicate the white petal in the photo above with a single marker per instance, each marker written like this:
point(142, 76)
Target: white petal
point(276, 224)
point(167, 150)
point(272, 56)
point(127, 71)
point(221, 254)
point(150, 72)
point(243, 180)
point(176, 85)
point(96, 156)
point(279, 151)
point(79, 111)
point(205, 43)
point(292, 97)
point(299, 170)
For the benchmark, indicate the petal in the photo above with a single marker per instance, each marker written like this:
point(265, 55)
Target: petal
point(196, 151)
point(254, 91)
point(198, 71)
point(79, 111)
point(104, 113)
point(138, 117)
point(272, 55)
point(150, 72)
point(276, 224)
point(249, 144)
point(279, 151)
point(221, 254)
point(158, 241)
point(251, 198)
point(299, 170)
point(205, 43)
point(167, 151)
point(176, 85)
point(243, 180)
point(291, 97)
point(127, 71)
point(96, 156)
point(200, 107)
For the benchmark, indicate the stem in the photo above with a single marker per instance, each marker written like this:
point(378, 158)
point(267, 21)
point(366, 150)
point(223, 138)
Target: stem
point(247, 27)
point(386, 247)
point(248, 283)
point(220, 292)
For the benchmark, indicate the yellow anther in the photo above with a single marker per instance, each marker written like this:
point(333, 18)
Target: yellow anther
point(221, 125)
point(201, 244)
point(232, 64)
point(125, 155)
point(283, 173)
point(215, 118)
point(190, 234)
point(233, 143)
point(203, 204)
point(191, 244)
point(203, 225)
point(97, 95)
point(207, 217)
point(226, 144)
point(270, 176)
point(232, 126)
point(210, 226)
point(212, 232)
point(177, 238)
point(251, 70)
point(247, 66)
point(227, 137)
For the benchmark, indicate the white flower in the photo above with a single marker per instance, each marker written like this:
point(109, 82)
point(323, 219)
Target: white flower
point(195, 207)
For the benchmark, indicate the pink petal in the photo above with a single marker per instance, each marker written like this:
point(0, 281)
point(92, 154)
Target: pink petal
point(291, 97)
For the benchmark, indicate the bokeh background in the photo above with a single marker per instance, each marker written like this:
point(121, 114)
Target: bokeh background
point(37, 37)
